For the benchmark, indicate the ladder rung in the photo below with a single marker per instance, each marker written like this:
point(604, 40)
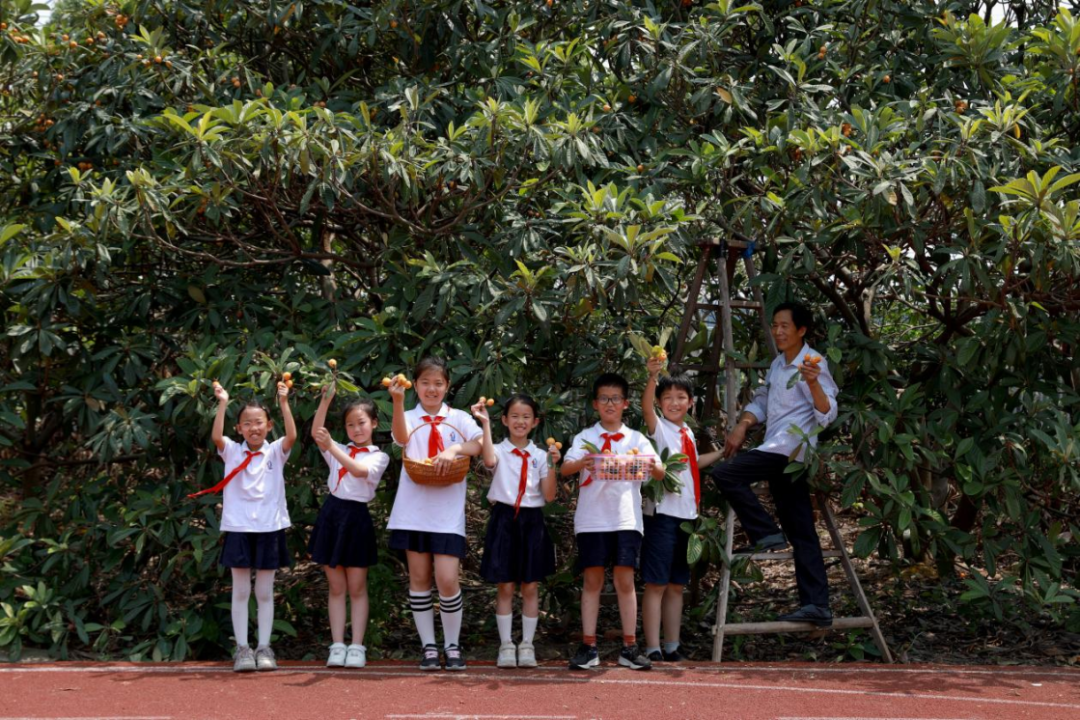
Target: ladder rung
point(737, 244)
point(698, 367)
point(783, 555)
point(736, 304)
point(780, 626)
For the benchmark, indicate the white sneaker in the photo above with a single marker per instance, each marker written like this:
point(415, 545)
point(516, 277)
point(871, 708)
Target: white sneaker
point(356, 657)
point(507, 655)
point(264, 659)
point(244, 659)
point(337, 655)
point(526, 655)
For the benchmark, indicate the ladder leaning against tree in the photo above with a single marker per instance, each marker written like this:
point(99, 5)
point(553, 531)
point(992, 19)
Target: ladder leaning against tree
point(727, 255)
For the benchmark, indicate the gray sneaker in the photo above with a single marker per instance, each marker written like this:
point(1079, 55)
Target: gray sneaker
point(264, 659)
point(243, 659)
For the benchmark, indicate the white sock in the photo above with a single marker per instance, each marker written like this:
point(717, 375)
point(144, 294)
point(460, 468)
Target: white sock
point(241, 595)
point(506, 625)
point(423, 612)
point(264, 598)
point(450, 610)
point(528, 628)
point(651, 650)
point(670, 647)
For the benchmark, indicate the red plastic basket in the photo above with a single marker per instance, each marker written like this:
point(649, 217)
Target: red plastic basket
point(625, 468)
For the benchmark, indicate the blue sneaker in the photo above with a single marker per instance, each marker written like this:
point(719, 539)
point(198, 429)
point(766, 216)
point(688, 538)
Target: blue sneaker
point(587, 657)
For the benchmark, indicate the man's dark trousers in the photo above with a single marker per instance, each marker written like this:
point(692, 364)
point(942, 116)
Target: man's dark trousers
point(792, 497)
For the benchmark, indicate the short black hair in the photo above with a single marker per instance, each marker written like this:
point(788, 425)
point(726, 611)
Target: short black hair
point(254, 404)
point(800, 314)
point(432, 362)
point(524, 400)
point(364, 405)
point(677, 381)
point(611, 380)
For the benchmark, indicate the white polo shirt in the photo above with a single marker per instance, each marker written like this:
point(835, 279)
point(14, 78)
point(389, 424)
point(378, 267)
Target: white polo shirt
point(608, 505)
point(682, 505)
point(254, 500)
point(358, 489)
point(425, 508)
point(507, 475)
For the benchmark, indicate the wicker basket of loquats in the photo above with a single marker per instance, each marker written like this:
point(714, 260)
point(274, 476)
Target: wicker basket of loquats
point(423, 471)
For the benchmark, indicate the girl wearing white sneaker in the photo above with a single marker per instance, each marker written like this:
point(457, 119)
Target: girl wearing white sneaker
point(517, 548)
point(254, 516)
point(343, 539)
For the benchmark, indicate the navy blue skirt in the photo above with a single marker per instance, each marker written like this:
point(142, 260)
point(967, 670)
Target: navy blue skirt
point(517, 550)
point(344, 535)
point(257, 550)
point(615, 548)
point(429, 542)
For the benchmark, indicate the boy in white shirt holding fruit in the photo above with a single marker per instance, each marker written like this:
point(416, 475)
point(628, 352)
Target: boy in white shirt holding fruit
point(664, 567)
point(607, 522)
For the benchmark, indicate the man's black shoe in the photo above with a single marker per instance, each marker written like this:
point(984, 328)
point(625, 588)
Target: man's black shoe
point(820, 616)
point(769, 543)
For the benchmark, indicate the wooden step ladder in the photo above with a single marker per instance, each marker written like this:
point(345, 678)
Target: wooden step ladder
point(727, 255)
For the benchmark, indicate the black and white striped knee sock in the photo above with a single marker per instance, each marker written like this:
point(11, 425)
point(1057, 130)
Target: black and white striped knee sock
point(450, 610)
point(423, 611)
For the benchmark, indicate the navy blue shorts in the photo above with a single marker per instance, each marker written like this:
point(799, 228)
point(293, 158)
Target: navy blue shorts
point(257, 550)
point(429, 542)
point(663, 551)
point(517, 550)
point(615, 548)
point(344, 535)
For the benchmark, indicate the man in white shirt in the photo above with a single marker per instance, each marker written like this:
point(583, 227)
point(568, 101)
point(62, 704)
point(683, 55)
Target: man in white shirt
point(791, 409)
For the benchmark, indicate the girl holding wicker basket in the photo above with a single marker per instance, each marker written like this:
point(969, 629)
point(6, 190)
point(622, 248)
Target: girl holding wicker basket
point(427, 522)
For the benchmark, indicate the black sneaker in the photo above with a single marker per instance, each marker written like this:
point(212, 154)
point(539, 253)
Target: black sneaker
point(454, 661)
point(430, 658)
point(673, 656)
point(587, 657)
point(820, 616)
point(634, 659)
point(656, 656)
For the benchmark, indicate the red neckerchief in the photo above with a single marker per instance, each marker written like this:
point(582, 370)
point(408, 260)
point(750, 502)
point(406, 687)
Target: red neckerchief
point(435, 443)
point(524, 455)
point(228, 478)
point(342, 472)
point(691, 452)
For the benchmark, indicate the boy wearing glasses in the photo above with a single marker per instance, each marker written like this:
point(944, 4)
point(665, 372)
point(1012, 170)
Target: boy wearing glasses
point(607, 524)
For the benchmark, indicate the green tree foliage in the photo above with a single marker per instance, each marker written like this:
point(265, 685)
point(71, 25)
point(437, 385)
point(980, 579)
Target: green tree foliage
point(228, 189)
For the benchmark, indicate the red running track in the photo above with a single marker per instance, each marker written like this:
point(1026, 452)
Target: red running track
point(796, 691)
